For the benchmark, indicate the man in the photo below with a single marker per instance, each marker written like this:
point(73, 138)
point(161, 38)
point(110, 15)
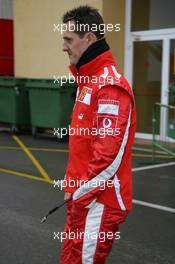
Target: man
point(98, 175)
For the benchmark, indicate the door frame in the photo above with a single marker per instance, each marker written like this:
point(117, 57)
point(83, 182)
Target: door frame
point(165, 35)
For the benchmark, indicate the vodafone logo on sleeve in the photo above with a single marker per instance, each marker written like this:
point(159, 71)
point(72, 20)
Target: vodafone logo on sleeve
point(107, 122)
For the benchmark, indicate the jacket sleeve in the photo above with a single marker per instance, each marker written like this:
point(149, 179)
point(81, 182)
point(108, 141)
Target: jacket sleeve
point(111, 123)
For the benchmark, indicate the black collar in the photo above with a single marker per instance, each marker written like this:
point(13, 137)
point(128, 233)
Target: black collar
point(92, 52)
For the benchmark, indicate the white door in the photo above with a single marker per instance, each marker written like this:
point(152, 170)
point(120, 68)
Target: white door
point(149, 69)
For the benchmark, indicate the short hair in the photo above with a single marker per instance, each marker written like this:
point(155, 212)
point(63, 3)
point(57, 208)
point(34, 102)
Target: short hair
point(85, 19)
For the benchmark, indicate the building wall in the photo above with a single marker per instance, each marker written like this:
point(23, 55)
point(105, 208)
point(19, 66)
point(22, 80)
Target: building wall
point(38, 49)
point(6, 9)
point(6, 38)
point(114, 13)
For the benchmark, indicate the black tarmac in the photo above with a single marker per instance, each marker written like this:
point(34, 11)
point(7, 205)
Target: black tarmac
point(147, 237)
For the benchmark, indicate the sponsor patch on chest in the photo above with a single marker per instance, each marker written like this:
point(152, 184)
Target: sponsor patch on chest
point(80, 116)
point(85, 95)
point(108, 106)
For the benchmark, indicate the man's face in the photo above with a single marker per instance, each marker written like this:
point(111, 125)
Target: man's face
point(73, 44)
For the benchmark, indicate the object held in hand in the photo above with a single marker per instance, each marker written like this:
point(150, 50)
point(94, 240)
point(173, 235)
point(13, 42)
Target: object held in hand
point(53, 210)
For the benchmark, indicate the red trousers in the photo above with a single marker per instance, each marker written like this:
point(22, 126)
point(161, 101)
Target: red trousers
point(90, 232)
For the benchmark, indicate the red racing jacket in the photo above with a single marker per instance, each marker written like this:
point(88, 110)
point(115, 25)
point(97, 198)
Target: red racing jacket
point(101, 136)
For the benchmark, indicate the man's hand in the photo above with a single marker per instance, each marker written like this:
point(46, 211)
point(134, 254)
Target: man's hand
point(67, 196)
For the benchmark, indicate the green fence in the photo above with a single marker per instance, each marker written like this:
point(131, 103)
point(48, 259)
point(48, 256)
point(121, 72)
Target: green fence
point(36, 103)
point(50, 104)
point(163, 135)
point(14, 103)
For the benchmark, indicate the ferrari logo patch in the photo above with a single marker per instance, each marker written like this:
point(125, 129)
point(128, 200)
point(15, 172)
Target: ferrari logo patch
point(85, 95)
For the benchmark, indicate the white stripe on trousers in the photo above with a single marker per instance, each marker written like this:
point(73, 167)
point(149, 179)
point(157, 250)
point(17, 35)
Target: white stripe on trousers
point(92, 227)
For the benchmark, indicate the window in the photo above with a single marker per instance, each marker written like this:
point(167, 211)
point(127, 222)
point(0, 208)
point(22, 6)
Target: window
point(152, 14)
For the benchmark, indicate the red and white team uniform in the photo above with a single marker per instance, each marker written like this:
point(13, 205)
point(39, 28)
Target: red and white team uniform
point(99, 167)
